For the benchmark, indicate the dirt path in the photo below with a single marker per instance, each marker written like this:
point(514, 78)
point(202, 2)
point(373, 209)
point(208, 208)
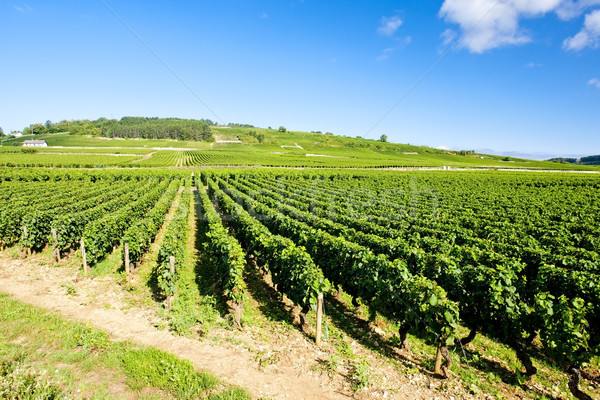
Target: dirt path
point(98, 302)
point(145, 157)
point(90, 154)
point(239, 358)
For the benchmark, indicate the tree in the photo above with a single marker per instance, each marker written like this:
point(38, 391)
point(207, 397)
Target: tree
point(1, 131)
point(282, 129)
point(37, 129)
point(383, 138)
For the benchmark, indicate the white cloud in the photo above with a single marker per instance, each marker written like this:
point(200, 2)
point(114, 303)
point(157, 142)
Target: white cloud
point(264, 15)
point(594, 82)
point(389, 26)
point(569, 9)
point(488, 24)
point(589, 36)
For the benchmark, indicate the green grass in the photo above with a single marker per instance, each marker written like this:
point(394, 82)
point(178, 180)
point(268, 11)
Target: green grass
point(60, 359)
point(151, 367)
point(190, 307)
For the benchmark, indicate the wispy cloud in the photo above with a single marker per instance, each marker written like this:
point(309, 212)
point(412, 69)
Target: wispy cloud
point(448, 36)
point(389, 25)
point(264, 15)
point(400, 44)
point(23, 9)
point(533, 65)
point(589, 36)
point(385, 54)
point(594, 82)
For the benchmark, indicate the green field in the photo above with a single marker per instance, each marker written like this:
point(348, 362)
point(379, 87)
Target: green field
point(275, 149)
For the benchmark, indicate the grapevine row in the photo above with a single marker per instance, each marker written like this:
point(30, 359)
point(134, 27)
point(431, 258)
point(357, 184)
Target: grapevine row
point(419, 303)
point(226, 253)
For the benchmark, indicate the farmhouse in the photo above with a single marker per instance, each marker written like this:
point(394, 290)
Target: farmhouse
point(35, 143)
point(16, 134)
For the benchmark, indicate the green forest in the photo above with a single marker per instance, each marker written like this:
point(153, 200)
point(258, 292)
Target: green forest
point(131, 127)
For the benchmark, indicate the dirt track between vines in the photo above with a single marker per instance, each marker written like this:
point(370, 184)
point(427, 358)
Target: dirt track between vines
point(103, 303)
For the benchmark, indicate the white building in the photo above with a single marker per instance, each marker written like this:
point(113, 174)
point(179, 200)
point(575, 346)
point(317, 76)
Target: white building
point(35, 143)
point(16, 134)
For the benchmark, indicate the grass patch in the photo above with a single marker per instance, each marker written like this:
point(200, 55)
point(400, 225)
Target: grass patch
point(155, 368)
point(231, 394)
point(18, 381)
point(44, 356)
point(359, 376)
point(190, 308)
point(109, 265)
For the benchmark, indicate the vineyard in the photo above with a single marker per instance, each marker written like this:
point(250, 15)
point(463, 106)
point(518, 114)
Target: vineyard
point(64, 160)
point(312, 151)
point(512, 256)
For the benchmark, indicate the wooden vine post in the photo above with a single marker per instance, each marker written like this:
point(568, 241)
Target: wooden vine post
point(55, 249)
point(319, 318)
point(172, 264)
point(23, 251)
point(127, 268)
point(85, 266)
point(172, 269)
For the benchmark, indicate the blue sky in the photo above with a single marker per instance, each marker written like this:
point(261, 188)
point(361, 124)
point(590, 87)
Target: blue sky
point(519, 75)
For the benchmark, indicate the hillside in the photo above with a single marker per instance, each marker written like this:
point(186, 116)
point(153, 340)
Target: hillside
point(243, 146)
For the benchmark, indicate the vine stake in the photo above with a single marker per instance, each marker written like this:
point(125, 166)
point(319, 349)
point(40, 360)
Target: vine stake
point(319, 318)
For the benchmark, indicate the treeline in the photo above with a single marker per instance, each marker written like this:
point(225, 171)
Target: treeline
point(590, 160)
point(157, 128)
point(131, 127)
